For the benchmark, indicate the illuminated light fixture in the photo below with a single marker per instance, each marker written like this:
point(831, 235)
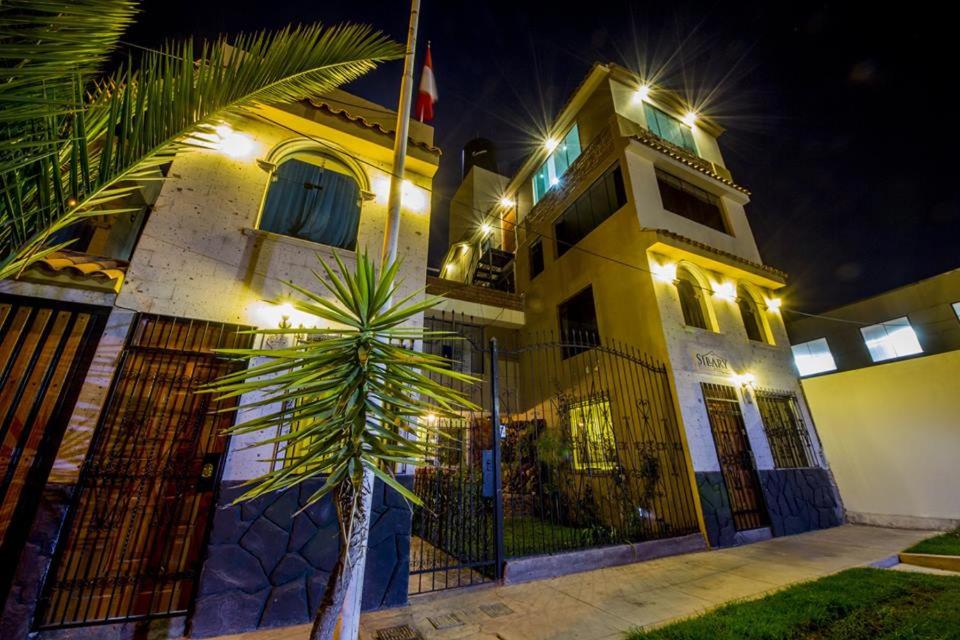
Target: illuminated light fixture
point(232, 144)
point(725, 291)
point(507, 201)
point(554, 181)
point(550, 144)
point(412, 197)
point(642, 93)
point(430, 418)
point(486, 229)
point(690, 118)
point(774, 304)
point(745, 380)
point(666, 272)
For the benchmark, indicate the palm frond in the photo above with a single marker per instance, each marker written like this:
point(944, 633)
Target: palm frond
point(348, 403)
point(121, 129)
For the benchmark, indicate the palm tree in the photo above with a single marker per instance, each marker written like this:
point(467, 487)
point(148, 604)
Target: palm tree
point(346, 400)
point(75, 142)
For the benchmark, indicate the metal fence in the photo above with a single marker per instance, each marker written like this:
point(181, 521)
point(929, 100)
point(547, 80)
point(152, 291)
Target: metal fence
point(588, 454)
point(786, 432)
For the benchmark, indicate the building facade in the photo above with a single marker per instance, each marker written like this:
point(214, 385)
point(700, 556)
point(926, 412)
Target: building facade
point(627, 226)
point(124, 485)
point(880, 376)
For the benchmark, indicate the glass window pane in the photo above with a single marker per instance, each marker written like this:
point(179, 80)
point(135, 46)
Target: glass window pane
point(891, 339)
point(956, 309)
point(813, 357)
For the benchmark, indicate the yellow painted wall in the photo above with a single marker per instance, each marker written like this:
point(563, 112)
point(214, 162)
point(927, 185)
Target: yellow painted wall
point(892, 436)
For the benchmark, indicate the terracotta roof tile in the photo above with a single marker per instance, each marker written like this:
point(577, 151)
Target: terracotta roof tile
point(83, 265)
point(726, 254)
point(656, 142)
point(343, 114)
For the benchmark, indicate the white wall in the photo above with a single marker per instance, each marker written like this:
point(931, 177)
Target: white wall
point(892, 435)
point(771, 365)
point(642, 182)
point(197, 257)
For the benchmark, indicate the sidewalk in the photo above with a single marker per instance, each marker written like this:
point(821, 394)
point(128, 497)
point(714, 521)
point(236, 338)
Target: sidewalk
point(601, 605)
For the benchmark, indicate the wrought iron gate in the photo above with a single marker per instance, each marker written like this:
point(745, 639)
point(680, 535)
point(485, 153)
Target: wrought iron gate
point(736, 457)
point(586, 452)
point(45, 350)
point(132, 544)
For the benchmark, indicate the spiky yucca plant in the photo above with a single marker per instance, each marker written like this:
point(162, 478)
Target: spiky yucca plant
point(75, 143)
point(353, 398)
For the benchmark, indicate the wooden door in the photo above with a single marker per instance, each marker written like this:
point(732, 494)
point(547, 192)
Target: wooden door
point(136, 531)
point(736, 457)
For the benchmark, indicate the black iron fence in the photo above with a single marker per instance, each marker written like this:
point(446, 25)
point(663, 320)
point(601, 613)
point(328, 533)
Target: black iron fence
point(587, 453)
point(786, 432)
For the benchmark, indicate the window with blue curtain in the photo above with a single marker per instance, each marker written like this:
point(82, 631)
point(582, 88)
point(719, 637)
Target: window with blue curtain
point(316, 198)
point(549, 173)
point(669, 128)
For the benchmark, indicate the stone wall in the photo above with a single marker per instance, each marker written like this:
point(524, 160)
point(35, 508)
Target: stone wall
point(267, 568)
point(717, 515)
point(800, 500)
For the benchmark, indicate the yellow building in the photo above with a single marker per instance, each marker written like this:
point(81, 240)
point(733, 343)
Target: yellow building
point(627, 228)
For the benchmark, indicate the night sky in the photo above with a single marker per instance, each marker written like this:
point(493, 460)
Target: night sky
point(840, 117)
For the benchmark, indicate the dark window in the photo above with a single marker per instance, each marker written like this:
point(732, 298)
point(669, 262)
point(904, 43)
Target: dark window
point(578, 323)
point(690, 201)
point(786, 433)
point(691, 301)
point(750, 314)
point(601, 200)
point(315, 198)
point(536, 257)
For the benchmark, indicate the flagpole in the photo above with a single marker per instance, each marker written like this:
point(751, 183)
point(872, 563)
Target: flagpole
point(349, 628)
point(391, 235)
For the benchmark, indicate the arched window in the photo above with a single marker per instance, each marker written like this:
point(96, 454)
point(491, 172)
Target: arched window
point(692, 300)
point(316, 197)
point(750, 313)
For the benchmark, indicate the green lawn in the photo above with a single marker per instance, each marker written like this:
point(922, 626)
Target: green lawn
point(947, 544)
point(526, 535)
point(857, 604)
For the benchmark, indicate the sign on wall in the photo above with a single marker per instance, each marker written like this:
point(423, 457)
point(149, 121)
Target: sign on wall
point(710, 361)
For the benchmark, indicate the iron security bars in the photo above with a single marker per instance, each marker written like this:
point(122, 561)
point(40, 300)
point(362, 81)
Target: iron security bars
point(786, 432)
point(592, 453)
point(132, 543)
point(588, 448)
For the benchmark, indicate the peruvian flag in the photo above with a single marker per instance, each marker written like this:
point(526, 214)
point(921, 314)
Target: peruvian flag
point(427, 97)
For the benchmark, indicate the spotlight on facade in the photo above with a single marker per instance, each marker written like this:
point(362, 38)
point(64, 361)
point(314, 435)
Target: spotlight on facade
point(690, 118)
point(486, 229)
point(412, 197)
point(550, 144)
point(774, 304)
point(232, 144)
point(642, 93)
point(507, 201)
point(725, 291)
point(666, 272)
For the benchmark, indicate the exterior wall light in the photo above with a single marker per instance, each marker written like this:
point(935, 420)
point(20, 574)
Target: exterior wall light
point(486, 229)
point(666, 272)
point(232, 144)
point(550, 144)
point(412, 197)
point(507, 201)
point(725, 291)
point(690, 118)
point(747, 384)
point(774, 304)
point(642, 93)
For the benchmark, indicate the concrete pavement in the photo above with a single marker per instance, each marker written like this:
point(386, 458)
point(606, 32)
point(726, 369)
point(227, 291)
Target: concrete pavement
point(603, 604)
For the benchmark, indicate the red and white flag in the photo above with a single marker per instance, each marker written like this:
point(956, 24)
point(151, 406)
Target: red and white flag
point(427, 97)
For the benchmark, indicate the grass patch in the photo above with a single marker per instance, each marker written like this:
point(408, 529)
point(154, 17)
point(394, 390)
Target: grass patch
point(525, 535)
point(857, 604)
point(946, 544)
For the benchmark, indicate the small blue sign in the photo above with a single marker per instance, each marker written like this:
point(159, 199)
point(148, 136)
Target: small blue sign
point(488, 473)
